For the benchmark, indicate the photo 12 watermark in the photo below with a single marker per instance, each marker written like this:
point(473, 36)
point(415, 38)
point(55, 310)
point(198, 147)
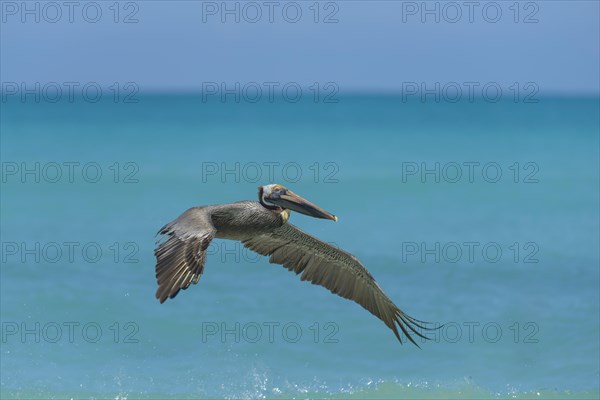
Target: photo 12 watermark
point(270, 12)
point(471, 92)
point(270, 172)
point(470, 12)
point(125, 172)
point(484, 332)
point(69, 92)
point(69, 252)
point(270, 92)
point(69, 12)
point(69, 332)
point(470, 252)
point(470, 172)
point(269, 332)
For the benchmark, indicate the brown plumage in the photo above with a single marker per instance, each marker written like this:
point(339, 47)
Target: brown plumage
point(262, 227)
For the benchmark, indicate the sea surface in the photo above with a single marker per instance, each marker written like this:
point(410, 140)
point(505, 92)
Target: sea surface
point(478, 215)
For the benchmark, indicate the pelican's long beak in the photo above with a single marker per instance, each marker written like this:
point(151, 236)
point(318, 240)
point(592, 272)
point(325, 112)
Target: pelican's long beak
point(292, 201)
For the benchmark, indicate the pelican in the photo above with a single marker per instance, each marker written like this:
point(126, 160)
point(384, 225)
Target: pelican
point(263, 227)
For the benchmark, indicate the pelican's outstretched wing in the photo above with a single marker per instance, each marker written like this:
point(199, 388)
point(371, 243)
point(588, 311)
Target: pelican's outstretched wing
point(180, 259)
point(335, 269)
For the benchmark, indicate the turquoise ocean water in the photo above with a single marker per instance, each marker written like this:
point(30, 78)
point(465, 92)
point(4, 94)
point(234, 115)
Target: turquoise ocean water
point(483, 216)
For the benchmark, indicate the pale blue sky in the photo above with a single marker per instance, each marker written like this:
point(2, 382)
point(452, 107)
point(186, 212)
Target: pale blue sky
point(374, 46)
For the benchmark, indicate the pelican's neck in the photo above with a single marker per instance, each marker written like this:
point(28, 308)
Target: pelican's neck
point(268, 206)
point(264, 202)
point(285, 214)
point(282, 212)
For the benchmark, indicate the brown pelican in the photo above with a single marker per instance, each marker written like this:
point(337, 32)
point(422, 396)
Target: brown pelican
point(263, 227)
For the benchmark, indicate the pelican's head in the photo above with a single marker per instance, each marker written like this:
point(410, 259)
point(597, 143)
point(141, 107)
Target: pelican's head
point(278, 196)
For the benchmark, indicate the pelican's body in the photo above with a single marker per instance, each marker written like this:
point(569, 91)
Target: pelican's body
point(263, 227)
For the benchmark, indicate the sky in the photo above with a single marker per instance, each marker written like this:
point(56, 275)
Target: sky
point(372, 46)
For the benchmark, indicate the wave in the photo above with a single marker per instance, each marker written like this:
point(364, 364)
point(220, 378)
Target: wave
point(370, 390)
